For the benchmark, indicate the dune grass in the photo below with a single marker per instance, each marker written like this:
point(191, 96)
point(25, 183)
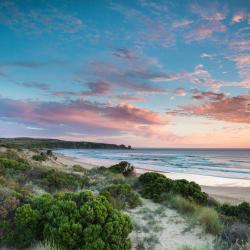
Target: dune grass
point(210, 220)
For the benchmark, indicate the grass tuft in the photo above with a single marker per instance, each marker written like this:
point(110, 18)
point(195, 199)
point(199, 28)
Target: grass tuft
point(210, 221)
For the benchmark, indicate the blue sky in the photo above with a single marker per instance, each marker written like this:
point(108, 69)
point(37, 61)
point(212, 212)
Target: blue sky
point(146, 73)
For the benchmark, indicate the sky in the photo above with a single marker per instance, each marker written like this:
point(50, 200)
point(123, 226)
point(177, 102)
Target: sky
point(146, 73)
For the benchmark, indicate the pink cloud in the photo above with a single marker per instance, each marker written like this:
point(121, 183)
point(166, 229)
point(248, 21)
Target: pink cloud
point(219, 107)
point(203, 32)
point(239, 17)
point(182, 23)
point(209, 11)
point(242, 62)
point(180, 92)
point(125, 118)
point(240, 45)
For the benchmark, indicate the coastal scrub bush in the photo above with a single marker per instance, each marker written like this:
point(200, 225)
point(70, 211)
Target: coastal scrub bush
point(154, 185)
point(241, 211)
point(13, 155)
point(123, 167)
point(121, 196)
point(9, 201)
point(53, 180)
point(39, 157)
point(236, 232)
point(49, 153)
point(190, 190)
point(210, 220)
point(13, 164)
point(71, 221)
point(78, 168)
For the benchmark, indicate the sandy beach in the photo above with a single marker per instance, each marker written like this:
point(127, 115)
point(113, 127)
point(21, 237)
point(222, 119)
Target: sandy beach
point(222, 189)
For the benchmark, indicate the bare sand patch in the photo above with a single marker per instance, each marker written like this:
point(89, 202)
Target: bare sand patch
point(161, 228)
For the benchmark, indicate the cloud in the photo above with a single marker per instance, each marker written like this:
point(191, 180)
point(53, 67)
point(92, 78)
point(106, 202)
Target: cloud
point(208, 95)
point(80, 114)
point(37, 85)
point(217, 106)
point(155, 32)
point(209, 11)
point(207, 55)
point(20, 16)
point(240, 45)
point(204, 31)
point(239, 16)
point(31, 64)
point(34, 128)
point(180, 92)
point(129, 98)
point(242, 62)
point(125, 54)
point(95, 89)
point(136, 76)
point(181, 23)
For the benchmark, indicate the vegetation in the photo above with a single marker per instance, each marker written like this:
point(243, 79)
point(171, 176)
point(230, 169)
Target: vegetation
point(53, 180)
point(209, 219)
point(39, 157)
point(32, 143)
point(154, 186)
point(123, 167)
point(13, 164)
point(241, 211)
point(64, 219)
point(70, 221)
point(121, 196)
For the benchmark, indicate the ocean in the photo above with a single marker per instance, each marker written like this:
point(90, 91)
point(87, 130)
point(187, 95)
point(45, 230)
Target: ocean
point(227, 163)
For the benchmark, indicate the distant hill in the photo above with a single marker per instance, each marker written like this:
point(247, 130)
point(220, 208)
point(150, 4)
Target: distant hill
point(25, 142)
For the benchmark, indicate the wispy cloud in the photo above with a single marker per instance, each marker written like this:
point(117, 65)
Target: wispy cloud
point(37, 20)
point(210, 11)
point(204, 31)
point(125, 53)
point(181, 23)
point(242, 62)
point(207, 55)
point(219, 107)
point(37, 85)
point(32, 64)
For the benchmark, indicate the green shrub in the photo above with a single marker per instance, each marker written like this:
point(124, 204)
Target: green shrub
point(121, 196)
point(210, 220)
point(13, 164)
point(154, 185)
point(71, 221)
point(123, 167)
point(190, 190)
point(53, 180)
point(39, 157)
point(9, 201)
point(26, 221)
point(241, 211)
point(49, 153)
point(78, 168)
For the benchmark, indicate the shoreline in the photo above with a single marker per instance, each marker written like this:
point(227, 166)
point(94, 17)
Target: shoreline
point(222, 189)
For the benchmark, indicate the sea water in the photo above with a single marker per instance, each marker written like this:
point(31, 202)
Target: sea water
point(227, 163)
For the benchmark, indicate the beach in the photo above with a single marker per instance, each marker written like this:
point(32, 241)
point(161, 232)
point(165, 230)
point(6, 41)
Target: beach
point(225, 190)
